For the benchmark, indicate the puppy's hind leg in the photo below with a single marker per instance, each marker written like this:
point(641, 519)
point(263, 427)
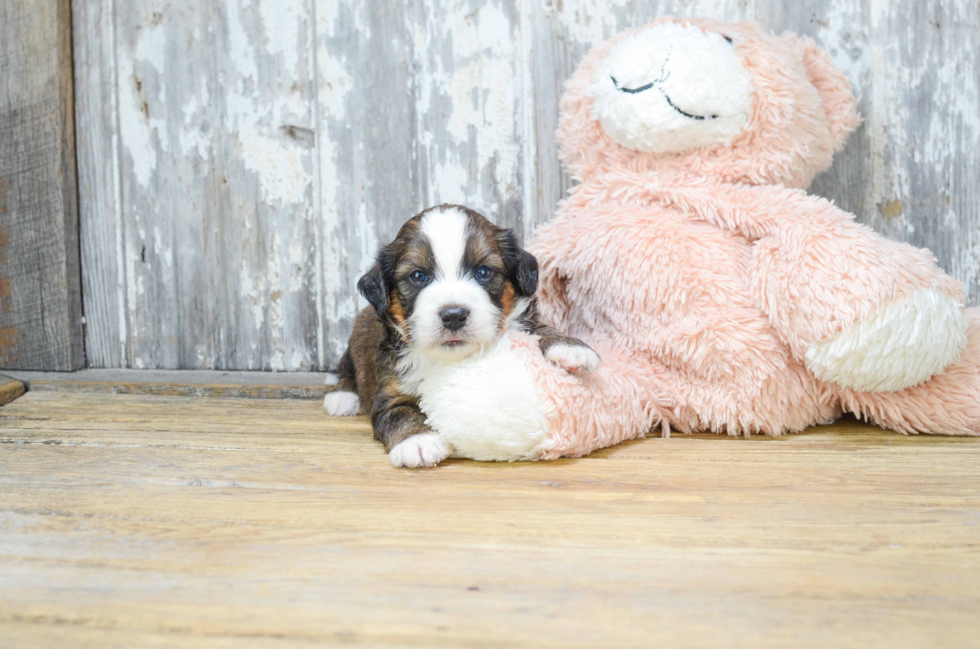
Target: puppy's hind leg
point(343, 401)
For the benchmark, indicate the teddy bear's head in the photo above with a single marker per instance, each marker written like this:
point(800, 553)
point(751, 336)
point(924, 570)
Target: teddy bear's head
point(720, 99)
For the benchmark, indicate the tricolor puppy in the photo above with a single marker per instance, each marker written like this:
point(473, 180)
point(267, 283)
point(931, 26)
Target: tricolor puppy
point(448, 286)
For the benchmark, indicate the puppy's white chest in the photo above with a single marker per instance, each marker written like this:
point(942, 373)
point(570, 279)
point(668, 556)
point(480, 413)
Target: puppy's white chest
point(487, 406)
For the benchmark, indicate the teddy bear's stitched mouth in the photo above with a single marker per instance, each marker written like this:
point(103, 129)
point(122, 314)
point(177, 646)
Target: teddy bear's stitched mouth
point(670, 103)
point(684, 113)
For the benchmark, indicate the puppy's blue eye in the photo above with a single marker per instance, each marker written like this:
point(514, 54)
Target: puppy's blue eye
point(483, 273)
point(418, 277)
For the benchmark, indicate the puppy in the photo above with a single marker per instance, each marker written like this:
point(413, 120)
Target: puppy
point(448, 286)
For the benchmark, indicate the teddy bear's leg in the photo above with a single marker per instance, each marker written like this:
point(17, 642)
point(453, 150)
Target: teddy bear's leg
point(948, 404)
point(861, 312)
point(512, 404)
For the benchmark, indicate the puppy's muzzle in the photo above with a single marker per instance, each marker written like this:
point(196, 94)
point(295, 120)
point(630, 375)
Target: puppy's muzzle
point(454, 317)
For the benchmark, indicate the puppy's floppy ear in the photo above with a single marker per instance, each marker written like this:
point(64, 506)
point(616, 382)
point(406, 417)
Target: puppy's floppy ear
point(375, 286)
point(522, 267)
point(526, 275)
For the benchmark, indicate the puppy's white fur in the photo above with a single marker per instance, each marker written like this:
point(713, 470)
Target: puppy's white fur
point(574, 358)
point(341, 404)
point(426, 449)
point(487, 406)
point(446, 232)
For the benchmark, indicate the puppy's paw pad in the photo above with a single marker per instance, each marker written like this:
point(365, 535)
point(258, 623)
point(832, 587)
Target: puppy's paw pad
point(574, 358)
point(425, 449)
point(341, 404)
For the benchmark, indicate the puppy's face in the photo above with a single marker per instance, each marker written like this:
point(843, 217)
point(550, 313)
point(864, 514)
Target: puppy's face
point(450, 282)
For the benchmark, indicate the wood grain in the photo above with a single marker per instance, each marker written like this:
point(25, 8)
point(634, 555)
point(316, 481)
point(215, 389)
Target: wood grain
point(102, 226)
point(259, 165)
point(159, 521)
point(40, 292)
point(10, 389)
point(200, 228)
point(184, 383)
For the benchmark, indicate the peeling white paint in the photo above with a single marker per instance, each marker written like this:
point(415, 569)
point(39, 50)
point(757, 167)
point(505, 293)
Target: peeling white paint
point(281, 169)
point(477, 98)
point(151, 49)
point(161, 249)
point(282, 23)
point(135, 128)
point(193, 138)
point(591, 21)
point(241, 49)
point(335, 286)
point(276, 362)
point(253, 290)
point(296, 261)
point(211, 180)
point(298, 359)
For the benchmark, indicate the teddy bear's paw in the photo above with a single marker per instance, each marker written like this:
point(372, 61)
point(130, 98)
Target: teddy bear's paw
point(424, 449)
point(578, 359)
point(341, 403)
point(904, 344)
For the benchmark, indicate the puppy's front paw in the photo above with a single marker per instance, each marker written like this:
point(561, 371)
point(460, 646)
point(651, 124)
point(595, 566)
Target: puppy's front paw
point(574, 358)
point(424, 449)
point(340, 403)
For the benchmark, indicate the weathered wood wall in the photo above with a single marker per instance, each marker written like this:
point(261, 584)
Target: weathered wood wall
point(240, 161)
point(40, 292)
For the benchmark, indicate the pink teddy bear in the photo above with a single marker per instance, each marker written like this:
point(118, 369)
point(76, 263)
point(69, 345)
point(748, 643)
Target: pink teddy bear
point(722, 296)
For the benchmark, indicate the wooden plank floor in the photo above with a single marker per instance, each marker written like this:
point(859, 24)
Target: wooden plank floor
point(166, 521)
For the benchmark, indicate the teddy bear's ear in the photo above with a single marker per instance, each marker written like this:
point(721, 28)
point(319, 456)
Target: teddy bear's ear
point(838, 97)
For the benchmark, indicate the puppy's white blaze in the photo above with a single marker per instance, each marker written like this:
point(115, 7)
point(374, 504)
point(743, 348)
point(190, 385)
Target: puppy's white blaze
point(426, 449)
point(446, 231)
point(341, 404)
point(487, 406)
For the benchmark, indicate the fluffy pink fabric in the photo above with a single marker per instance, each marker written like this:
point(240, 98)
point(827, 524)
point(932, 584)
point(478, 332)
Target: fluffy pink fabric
point(804, 110)
point(703, 276)
point(948, 404)
point(616, 403)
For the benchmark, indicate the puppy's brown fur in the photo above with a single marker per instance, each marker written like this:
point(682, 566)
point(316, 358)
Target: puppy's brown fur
point(380, 337)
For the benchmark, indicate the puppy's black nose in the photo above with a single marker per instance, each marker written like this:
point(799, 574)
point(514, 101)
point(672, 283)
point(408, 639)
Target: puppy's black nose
point(454, 317)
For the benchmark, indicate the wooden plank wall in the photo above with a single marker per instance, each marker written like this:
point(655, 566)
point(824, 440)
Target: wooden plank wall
point(241, 160)
point(40, 292)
